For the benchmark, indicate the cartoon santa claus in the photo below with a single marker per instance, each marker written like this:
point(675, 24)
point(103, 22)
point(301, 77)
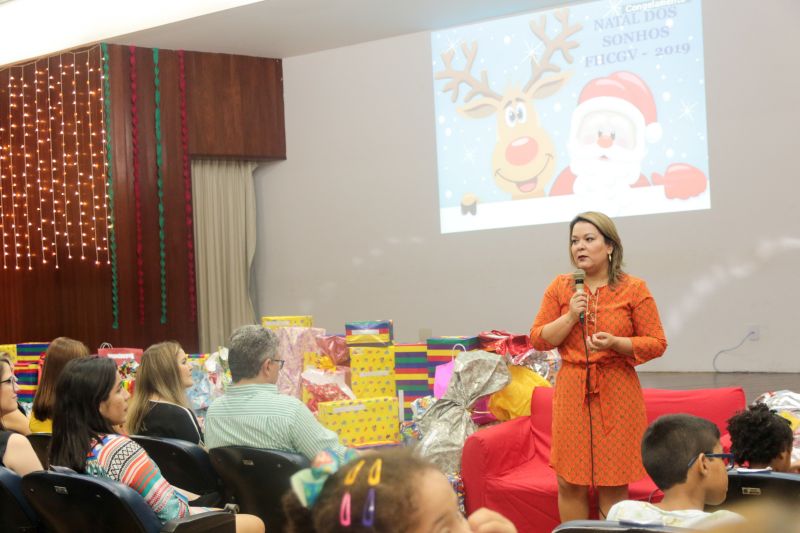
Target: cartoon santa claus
point(611, 127)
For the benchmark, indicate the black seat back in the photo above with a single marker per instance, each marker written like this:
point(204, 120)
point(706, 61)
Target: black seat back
point(749, 486)
point(41, 445)
point(601, 526)
point(16, 515)
point(184, 464)
point(68, 502)
point(257, 479)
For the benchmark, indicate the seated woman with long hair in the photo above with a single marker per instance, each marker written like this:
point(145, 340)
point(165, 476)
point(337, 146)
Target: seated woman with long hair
point(91, 399)
point(60, 352)
point(16, 453)
point(159, 407)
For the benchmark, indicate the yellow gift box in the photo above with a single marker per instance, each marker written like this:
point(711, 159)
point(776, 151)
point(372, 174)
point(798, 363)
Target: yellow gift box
point(362, 422)
point(372, 370)
point(275, 322)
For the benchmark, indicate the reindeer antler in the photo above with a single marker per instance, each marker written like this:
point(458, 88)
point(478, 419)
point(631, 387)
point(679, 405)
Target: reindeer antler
point(479, 87)
point(558, 44)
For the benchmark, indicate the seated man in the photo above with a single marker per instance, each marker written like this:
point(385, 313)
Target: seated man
point(253, 413)
point(682, 455)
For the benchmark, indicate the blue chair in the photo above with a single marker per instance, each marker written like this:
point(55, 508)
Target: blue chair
point(601, 526)
point(16, 514)
point(257, 479)
point(67, 502)
point(186, 465)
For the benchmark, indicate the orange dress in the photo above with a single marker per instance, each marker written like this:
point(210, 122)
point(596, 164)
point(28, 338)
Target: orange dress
point(615, 396)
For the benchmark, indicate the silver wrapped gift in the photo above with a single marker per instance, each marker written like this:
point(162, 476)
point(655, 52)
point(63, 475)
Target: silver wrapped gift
point(447, 424)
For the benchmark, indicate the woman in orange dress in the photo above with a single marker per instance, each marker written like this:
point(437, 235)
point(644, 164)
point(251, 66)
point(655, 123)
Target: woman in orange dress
point(621, 329)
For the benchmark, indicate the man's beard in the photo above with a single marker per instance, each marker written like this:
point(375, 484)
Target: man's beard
point(619, 171)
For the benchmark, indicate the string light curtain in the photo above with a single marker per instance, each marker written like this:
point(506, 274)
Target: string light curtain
point(53, 166)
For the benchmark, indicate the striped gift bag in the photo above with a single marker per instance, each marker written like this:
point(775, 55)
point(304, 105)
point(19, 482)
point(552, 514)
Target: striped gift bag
point(411, 372)
point(442, 350)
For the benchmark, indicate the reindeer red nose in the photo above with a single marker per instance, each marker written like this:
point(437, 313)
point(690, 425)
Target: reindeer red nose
point(522, 151)
point(605, 141)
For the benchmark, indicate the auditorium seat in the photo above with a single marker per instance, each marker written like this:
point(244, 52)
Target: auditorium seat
point(40, 442)
point(257, 479)
point(15, 512)
point(67, 502)
point(185, 465)
point(601, 526)
point(752, 486)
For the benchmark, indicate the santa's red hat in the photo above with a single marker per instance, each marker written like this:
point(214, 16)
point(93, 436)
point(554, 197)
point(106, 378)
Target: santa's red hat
point(626, 93)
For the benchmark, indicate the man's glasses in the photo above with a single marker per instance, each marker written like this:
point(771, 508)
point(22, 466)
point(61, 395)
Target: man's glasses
point(280, 362)
point(726, 457)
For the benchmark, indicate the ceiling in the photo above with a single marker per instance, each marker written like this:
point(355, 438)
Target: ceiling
point(285, 28)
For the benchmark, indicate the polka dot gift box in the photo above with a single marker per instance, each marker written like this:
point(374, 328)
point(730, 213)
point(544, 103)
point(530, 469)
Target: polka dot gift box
point(372, 371)
point(367, 422)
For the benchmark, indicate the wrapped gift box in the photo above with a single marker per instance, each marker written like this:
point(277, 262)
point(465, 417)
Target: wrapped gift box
point(275, 322)
point(362, 422)
point(30, 352)
point(293, 343)
point(372, 370)
point(374, 332)
point(27, 375)
point(442, 350)
point(411, 372)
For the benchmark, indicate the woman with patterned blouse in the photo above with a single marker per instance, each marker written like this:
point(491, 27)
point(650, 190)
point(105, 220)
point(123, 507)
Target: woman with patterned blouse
point(601, 334)
point(91, 399)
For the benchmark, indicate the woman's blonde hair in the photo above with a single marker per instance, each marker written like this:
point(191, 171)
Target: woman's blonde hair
point(6, 360)
point(606, 228)
point(157, 375)
point(60, 352)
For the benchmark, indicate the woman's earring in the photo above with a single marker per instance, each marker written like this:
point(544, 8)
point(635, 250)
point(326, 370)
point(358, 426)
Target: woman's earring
point(609, 257)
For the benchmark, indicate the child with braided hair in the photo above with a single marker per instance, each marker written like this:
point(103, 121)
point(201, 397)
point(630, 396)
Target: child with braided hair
point(390, 491)
point(762, 439)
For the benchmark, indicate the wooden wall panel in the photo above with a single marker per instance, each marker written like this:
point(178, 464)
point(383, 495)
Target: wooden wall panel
point(235, 110)
point(239, 112)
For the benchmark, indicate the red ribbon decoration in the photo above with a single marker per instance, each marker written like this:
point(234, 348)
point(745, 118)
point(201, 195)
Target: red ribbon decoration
point(187, 191)
point(137, 193)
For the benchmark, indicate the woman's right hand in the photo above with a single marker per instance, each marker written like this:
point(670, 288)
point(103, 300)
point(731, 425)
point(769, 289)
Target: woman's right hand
point(578, 304)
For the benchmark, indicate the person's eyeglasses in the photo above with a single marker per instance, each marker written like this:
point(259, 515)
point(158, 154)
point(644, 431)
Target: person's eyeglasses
point(726, 457)
point(12, 380)
point(280, 362)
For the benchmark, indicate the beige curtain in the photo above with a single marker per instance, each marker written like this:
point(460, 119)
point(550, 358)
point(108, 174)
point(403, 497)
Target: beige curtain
point(225, 242)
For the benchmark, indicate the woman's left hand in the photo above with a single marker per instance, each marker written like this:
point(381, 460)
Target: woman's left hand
point(601, 341)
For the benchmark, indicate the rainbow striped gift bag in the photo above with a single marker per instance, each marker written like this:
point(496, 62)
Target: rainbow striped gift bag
point(411, 372)
point(27, 380)
point(441, 350)
point(30, 352)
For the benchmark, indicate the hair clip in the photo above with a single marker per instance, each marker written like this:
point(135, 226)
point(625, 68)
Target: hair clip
point(353, 473)
point(375, 472)
point(368, 515)
point(344, 510)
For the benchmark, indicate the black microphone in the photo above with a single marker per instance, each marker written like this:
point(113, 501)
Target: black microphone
point(579, 275)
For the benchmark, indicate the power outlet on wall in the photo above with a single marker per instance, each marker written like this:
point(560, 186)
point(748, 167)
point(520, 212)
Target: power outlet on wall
point(753, 333)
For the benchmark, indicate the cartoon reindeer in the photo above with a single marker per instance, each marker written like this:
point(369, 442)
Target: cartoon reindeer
point(523, 160)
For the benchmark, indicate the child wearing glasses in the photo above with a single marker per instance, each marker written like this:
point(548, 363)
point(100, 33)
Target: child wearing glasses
point(391, 491)
point(683, 456)
point(761, 439)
